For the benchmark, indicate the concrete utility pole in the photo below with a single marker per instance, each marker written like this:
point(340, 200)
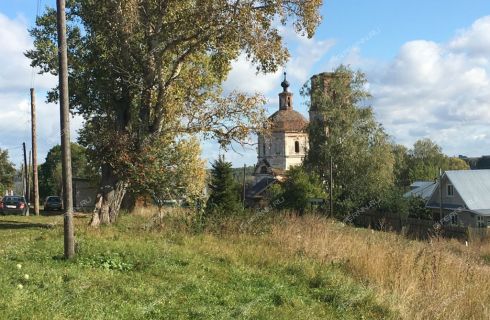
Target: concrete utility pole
point(65, 131)
point(26, 174)
point(35, 179)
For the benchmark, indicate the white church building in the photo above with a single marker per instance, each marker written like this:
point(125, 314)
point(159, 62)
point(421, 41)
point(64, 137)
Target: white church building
point(283, 147)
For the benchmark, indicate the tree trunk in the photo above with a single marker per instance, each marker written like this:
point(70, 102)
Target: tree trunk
point(109, 198)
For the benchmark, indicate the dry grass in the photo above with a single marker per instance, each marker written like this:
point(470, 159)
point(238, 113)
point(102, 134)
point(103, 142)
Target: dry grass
point(440, 279)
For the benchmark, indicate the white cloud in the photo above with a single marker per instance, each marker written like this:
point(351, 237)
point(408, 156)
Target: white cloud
point(436, 90)
point(15, 81)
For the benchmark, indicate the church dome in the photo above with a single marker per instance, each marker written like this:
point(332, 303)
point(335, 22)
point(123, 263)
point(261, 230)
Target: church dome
point(288, 121)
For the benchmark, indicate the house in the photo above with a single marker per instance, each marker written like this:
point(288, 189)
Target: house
point(465, 196)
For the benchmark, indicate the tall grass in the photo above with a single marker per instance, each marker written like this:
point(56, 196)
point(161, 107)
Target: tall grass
point(436, 279)
point(440, 279)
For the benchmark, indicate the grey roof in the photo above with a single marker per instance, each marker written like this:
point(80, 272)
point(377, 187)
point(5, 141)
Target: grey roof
point(473, 186)
point(424, 190)
point(420, 183)
point(260, 187)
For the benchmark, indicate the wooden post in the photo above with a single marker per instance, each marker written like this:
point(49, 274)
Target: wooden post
point(23, 180)
point(35, 179)
point(243, 184)
point(440, 194)
point(330, 187)
point(29, 166)
point(69, 238)
point(26, 174)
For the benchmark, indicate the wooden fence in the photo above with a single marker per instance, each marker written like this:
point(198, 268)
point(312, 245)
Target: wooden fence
point(415, 228)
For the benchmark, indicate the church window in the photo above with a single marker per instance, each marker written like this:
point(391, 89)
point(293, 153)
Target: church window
point(263, 149)
point(296, 146)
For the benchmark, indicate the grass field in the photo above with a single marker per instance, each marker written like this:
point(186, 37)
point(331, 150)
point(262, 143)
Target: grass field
point(140, 269)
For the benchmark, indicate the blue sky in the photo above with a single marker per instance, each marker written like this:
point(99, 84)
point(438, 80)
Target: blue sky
point(425, 61)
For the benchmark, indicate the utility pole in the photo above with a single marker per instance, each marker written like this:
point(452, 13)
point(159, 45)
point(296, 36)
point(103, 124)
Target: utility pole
point(330, 187)
point(35, 179)
point(440, 193)
point(29, 166)
point(69, 238)
point(243, 184)
point(23, 180)
point(26, 174)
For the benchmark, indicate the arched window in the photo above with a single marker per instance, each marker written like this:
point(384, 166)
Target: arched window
point(296, 146)
point(263, 149)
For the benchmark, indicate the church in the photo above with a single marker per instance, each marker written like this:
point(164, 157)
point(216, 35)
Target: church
point(283, 147)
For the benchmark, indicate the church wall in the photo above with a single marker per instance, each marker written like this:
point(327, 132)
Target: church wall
point(294, 158)
point(274, 149)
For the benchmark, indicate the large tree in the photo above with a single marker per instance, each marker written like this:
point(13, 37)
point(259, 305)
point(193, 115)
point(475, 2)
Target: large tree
point(50, 171)
point(143, 69)
point(346, 131)
point(7, 172)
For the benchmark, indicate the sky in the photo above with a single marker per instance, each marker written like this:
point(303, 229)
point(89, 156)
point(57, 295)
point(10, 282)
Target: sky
point(427, 65)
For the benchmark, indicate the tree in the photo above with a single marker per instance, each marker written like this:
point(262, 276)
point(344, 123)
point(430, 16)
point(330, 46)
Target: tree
point(50, 170)
point(7, 172)
point(144, 69)
point(224, 197)
point(401, 165)
point(347, 131)
point(299, 187)
point(426, 159)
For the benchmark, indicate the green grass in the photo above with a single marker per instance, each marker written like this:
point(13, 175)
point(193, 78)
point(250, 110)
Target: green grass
point(124, 272)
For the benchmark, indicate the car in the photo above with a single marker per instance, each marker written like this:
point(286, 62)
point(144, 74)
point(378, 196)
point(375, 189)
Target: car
point(14, 205)
point(53, 203)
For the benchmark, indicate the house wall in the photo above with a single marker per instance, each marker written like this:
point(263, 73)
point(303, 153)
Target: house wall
point(448, 201)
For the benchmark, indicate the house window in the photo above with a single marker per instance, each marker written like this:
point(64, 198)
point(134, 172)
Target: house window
point(450, 190)
point(480, 223)
point(296, 146)
point(454, 219)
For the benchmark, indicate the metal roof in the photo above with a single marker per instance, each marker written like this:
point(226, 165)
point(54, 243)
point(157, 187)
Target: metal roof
point(473, 186)
point(420, 183)
point(424, 191)
point(260, 187)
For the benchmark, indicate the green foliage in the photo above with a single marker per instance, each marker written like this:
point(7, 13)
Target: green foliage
point(140, 70)
point(393, 202)
point(224, 196)
point(423, 162)
point(347, 132)
point(299, 187)
point(417, 209)
point(106, 262)
point(50, 170)
point(7, 172)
